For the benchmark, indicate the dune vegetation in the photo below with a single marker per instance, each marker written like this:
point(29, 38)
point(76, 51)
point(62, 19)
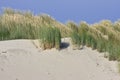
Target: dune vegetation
point(15, 24)
point(103, 36)
point(50, 37)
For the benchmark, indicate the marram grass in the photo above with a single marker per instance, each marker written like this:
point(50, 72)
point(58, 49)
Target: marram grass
point(50, 37)
point(103, 36)
point(24, 25)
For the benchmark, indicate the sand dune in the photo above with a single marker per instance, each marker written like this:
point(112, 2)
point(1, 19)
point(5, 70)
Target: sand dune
point(21, 60)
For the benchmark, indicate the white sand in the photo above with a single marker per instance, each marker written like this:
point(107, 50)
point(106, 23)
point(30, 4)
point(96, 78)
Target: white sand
point(21, 60)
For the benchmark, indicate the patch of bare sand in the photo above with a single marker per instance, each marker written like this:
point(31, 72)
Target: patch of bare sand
point(21, 60)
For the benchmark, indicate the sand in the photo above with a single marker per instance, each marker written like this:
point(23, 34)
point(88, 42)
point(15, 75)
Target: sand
point(21, 60)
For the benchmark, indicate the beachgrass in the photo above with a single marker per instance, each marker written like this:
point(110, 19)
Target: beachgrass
point(103, 36)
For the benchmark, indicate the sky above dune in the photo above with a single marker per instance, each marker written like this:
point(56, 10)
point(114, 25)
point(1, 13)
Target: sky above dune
point(90, 11)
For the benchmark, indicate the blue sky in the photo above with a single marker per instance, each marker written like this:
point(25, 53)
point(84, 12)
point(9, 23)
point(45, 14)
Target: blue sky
point(63, 10)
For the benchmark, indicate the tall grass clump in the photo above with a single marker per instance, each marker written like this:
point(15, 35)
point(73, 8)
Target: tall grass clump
point(72, 25)
point(76, 41)
point(117, 25)
point(90, 37)
point(16, 24)
point(49, 37)
point(91, 41)
point(101, 37)
point(82, 30)
point(24, 25)
point(23, 32)
point(4, 33)
point(57, 38)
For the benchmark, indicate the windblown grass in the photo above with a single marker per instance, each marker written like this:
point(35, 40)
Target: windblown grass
point(105, 37)
point(24, 25)
point(76, 41)
point(72, 25)
point(50, 37)
point(14, 19)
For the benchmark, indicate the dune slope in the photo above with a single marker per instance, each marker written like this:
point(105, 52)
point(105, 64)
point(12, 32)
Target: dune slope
point(21, 60)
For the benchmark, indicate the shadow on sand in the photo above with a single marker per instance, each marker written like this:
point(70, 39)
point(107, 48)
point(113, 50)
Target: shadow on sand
point(64, 45)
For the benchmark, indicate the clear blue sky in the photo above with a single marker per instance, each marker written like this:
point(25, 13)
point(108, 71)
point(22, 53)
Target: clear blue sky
point(63, 10)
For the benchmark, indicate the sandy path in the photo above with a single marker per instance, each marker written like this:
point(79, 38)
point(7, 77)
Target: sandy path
point(20, 60)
